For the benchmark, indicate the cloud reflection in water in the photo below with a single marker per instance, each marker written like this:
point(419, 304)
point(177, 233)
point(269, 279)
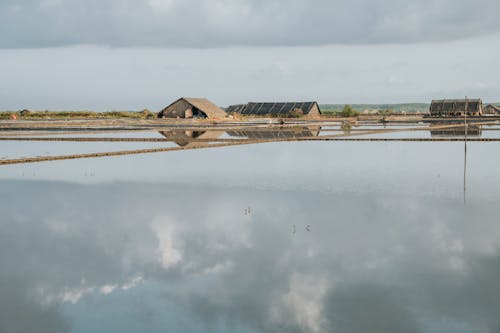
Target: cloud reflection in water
point(156, 257)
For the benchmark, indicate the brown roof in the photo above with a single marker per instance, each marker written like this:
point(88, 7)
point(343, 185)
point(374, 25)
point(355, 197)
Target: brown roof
point(203, 104)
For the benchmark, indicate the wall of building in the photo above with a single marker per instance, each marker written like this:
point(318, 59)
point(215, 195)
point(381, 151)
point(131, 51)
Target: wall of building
point(178, 109)
point(314, 113)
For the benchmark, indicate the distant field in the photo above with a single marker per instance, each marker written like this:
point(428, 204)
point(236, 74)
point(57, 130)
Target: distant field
point(381, 109)
point(27, 114)
point(406, 107)
point(409, 107)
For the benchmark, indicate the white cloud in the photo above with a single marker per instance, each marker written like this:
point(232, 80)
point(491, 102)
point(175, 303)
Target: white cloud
point(169, 254)
point(305, 301)
point(107, 289)
point(132, 283)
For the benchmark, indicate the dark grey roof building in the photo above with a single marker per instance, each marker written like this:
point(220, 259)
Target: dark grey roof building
point(291, 109)
point(456, 107)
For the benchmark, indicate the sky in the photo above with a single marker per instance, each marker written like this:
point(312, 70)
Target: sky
point(135, 54)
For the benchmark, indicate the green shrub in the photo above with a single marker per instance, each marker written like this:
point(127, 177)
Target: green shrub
point(386, 112)
point(348, 111)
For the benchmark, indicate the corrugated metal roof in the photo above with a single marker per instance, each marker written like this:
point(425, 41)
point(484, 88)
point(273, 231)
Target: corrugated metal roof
point(456, 104)
point(271, 108)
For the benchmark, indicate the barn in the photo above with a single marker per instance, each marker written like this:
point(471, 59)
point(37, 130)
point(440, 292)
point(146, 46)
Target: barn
point(491, 109)
point(194, 108)
point(456, 107)
point(290, 109)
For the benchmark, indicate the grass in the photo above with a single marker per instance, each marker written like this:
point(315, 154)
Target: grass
point(408, 107)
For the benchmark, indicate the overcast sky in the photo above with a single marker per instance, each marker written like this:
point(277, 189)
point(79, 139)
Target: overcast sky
point(131, 54)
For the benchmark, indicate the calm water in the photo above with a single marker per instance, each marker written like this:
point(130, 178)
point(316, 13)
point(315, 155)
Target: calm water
point(274, 237)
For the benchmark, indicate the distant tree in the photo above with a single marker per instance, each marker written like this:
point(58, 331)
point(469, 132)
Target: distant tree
point(348, 111)
point(386, 112)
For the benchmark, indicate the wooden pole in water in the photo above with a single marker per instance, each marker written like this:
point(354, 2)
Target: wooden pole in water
point(465, 149)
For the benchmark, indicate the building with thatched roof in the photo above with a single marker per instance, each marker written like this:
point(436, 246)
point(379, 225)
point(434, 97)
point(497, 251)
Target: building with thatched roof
point(456, 107)
point(292, 109)
point(491, 109)
point(197, 108)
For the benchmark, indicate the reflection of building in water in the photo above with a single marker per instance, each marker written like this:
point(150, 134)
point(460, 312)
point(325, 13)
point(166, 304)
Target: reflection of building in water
point(189, 138)
point(192, 108)
point(472, 130)
point(456, 107)
point(277, 133)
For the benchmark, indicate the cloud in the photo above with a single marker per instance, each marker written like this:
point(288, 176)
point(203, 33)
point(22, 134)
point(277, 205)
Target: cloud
point(218, 23)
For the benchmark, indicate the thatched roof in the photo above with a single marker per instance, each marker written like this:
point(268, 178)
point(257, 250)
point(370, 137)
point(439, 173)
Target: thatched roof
point(277, 109)
point(202, 104)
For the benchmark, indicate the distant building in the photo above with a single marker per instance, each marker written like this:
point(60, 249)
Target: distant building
point(192, 108)
point(292, 109)
point(456, 107)
point(491, 109)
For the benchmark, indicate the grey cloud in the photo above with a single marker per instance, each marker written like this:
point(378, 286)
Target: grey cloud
point(202, 23)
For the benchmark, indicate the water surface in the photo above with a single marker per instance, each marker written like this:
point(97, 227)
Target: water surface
point(272, 237)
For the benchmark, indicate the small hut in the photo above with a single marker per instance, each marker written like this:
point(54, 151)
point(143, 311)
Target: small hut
point(456, 107)
point(194, 108)
point(289, 110)
point(491, 109)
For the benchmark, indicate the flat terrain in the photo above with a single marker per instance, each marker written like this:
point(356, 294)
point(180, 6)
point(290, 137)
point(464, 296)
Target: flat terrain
point(89, 138)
